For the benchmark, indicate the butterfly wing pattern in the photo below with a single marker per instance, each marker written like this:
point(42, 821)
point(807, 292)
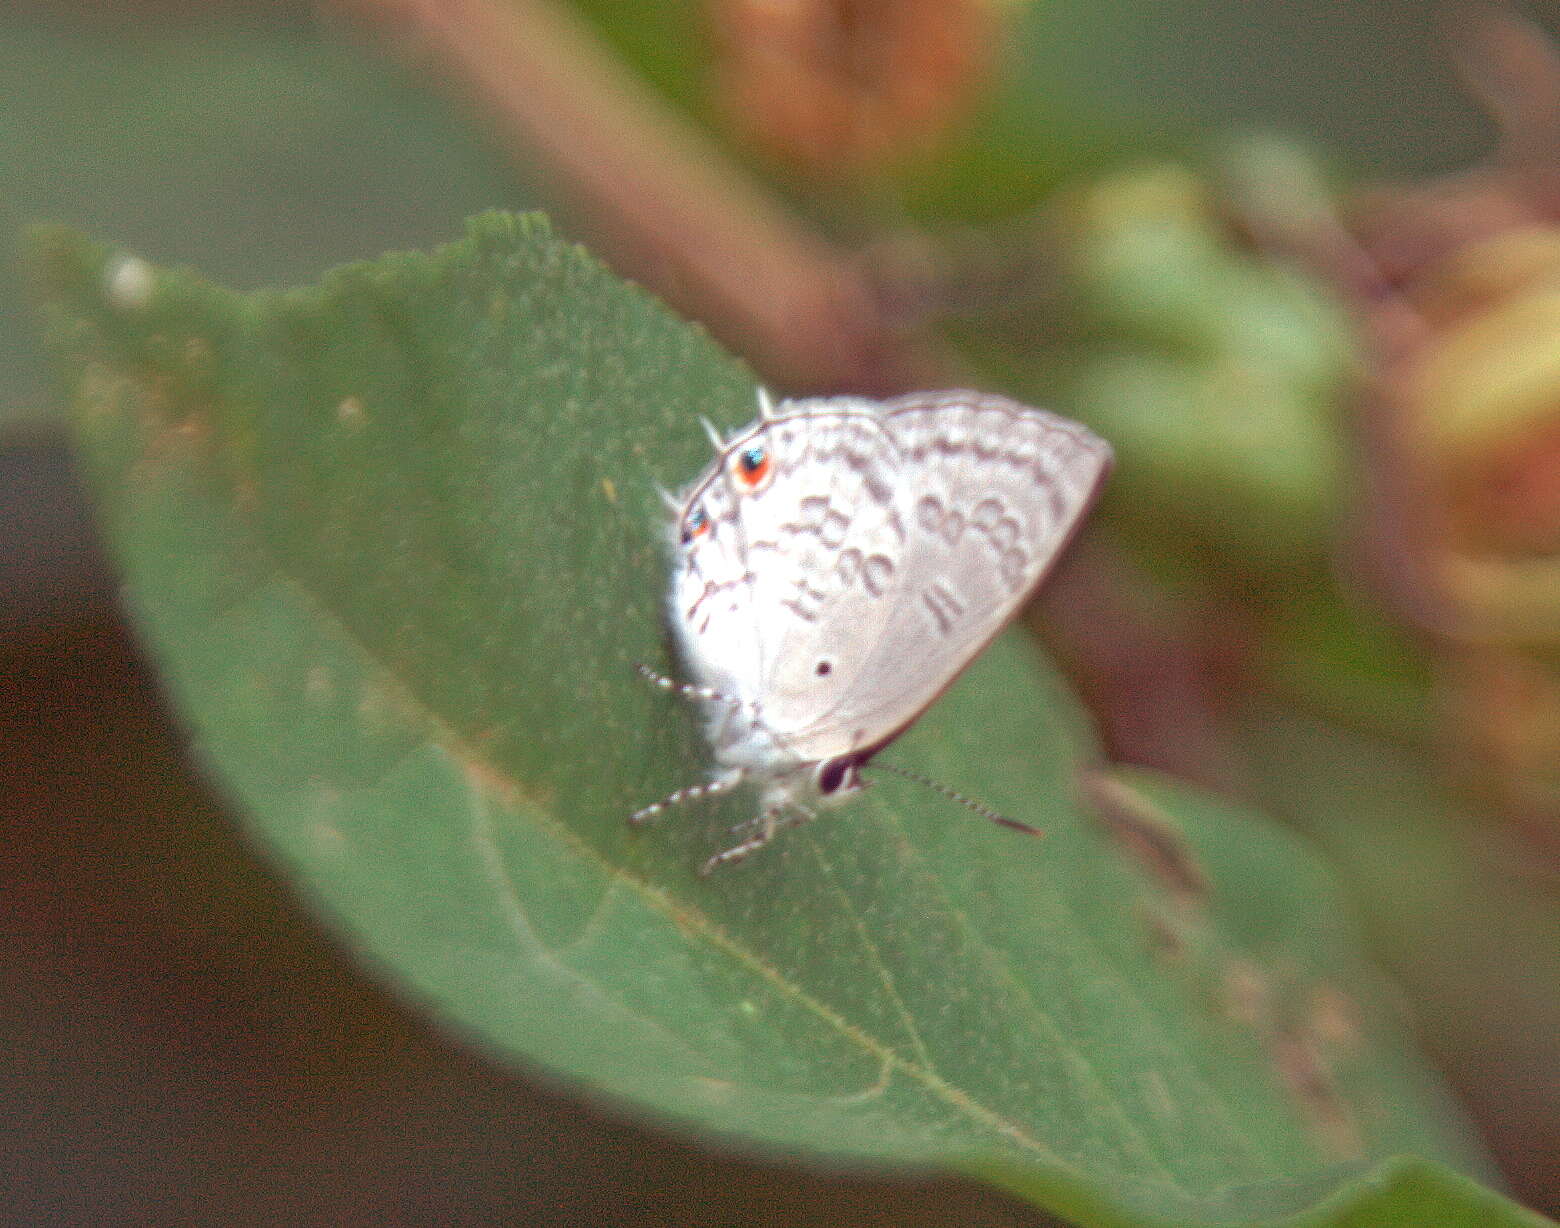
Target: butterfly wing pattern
point(842, 560)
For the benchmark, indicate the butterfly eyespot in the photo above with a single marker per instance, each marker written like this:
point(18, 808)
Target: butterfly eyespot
point(824, 668)
point(696, 525)
point(753, 466)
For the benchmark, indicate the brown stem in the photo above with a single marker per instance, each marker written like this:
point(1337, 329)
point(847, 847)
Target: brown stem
point(661, 202)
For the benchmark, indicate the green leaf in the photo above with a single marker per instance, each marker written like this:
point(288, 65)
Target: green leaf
point(1216, 373)
point(1449, 899)
point(395, 545)
point(264, 149)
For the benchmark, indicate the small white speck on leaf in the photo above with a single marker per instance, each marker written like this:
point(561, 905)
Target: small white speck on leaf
point(329, 840)
point(128, 282)
point(318, 685)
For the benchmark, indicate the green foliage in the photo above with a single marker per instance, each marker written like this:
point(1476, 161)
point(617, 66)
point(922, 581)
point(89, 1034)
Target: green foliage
point(1216, 372)
point(395, 545)
point(1447, 894)
point(257, 149)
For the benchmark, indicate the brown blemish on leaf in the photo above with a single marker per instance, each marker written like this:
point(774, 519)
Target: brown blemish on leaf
point(246, 496)
point(1310, 1082)
point(1148, 834)
point(389, 707)
point(350, 411)
point(318, 685)
point(1294, 1025)
point(1256, 1000)
point(1246, 994)
point(198, 354)
point(1166, 939)
point(192, 429)
point(1334, 1019)
point(483, 777)
point(167, 421)
point(1297, 1047)
point(102, 392)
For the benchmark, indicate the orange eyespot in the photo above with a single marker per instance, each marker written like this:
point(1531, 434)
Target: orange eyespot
point(696, 525)
point(753, 467)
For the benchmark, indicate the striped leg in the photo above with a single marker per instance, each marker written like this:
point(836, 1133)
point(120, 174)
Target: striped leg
point(764, 828)
point(691, 793)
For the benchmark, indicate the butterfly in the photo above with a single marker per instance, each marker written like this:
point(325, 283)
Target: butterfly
point(840, 562)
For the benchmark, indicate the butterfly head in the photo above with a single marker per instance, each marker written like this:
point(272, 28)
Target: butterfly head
point(838, 778)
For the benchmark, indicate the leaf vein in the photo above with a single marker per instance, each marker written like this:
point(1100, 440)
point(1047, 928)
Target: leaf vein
point(505, 786)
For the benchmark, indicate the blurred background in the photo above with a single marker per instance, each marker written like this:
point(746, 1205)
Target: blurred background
point(1300, 261)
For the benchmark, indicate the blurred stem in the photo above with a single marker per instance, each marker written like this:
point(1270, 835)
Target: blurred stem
point(662, 203)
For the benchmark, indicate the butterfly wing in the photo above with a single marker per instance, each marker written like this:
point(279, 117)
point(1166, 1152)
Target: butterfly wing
point(842, 583)
point(988, 493)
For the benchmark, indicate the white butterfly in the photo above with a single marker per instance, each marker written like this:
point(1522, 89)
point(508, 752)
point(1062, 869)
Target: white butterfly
point(839, 564)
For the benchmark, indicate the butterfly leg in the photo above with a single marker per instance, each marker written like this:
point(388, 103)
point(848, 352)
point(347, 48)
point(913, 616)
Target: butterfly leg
point(691, 793)
point(763, 828)
point(767, 824)
point(788, 815)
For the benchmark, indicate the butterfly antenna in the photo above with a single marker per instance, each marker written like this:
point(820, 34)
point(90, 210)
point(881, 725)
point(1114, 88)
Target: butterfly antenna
point(687, 690)
point(716, 441)
point(953, 795)
point(766, 404)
